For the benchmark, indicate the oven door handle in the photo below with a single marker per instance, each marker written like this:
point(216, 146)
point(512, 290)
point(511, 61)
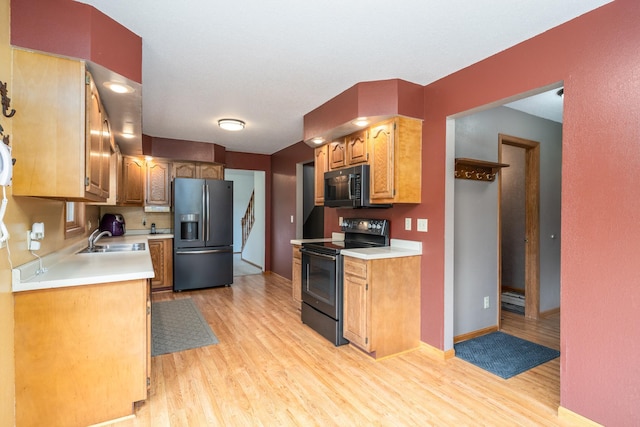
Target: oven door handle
point(316, 254)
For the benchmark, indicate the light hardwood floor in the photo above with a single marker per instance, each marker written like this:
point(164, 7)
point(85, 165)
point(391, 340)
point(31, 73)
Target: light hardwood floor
point(271, 370)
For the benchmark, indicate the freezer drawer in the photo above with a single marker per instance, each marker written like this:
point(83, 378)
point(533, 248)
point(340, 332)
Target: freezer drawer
point(202, 268)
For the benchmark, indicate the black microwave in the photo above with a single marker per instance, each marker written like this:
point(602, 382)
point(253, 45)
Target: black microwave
point(349, 188)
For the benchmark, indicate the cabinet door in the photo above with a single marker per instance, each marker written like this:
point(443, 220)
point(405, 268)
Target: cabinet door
point(158, 183)
point(210, 171)
point(381, 144)
point(183, 170)
point(105, 158)
point(357, 148)
point(337, 155)
point(93, 161)
point(321, 165)
point(50, 95)
point(133, 181)
point(161, 258)
point(357, 311)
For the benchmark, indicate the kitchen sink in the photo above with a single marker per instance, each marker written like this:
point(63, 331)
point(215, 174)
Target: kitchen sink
point(114, 247)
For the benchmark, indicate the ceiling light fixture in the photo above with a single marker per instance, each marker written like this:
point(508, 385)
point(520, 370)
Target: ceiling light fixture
point(118, 87)
point(231, 124)
point(318, 140)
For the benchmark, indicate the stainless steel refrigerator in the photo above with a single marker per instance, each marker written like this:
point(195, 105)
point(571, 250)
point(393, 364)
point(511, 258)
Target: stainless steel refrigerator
point(203, 233)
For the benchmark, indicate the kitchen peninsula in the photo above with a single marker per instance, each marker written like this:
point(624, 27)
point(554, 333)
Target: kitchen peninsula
point(84, 353)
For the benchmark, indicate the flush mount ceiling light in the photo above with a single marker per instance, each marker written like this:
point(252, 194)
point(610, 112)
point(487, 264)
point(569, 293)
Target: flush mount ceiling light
point(318, 140)
point(231, 124)
point(118, 87)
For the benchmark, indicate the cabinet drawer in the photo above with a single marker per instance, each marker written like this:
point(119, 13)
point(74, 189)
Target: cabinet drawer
point(355, 267)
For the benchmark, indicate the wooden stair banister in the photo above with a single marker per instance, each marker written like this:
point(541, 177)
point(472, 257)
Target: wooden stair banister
point(248, 219)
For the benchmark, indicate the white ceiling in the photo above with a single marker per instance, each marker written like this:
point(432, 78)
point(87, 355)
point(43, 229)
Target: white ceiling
point(271, 62)
point(548, 105)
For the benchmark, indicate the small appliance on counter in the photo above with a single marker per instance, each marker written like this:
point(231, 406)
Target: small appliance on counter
point(113, 223)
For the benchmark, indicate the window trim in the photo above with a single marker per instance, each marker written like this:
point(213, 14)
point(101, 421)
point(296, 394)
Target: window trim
point(75, 227)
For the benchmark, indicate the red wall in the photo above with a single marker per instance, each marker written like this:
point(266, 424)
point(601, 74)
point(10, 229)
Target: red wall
point(77, 30)
point(598, 58)
point(284, 196)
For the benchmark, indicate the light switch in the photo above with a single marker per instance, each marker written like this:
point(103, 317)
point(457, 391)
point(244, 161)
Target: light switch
point(291, 219)
point(423, 224)
point(407, 224)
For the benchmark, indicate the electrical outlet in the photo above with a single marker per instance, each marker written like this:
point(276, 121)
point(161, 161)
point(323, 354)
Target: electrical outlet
point(407, 224)
point(291, 219)
point(423, 225)
point(486, 302)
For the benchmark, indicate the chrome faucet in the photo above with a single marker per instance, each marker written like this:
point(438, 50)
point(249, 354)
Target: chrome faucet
point(93, 238)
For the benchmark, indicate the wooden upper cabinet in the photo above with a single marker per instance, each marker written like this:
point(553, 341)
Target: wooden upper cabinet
point(357, 148)
point(382, 162)
point(393, 151)
point(133, 174)
point(337, 155)
point(321, 165)
point(57, 132)
point(94, 129)
point(396, 161)
point(184, 169)
point(210, 171)
point(158, 183)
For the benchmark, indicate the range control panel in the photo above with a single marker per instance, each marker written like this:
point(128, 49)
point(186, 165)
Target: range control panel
point(379, 227)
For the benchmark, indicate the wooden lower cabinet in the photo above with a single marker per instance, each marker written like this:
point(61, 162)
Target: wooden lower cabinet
point(382, 304)
point(161, 251)
point(296, 274)
point(81, 353)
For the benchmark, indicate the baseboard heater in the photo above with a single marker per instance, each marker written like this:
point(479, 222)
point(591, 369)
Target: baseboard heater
point(512, 298)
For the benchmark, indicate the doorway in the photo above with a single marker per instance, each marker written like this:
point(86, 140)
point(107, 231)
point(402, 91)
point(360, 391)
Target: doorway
point(519, 216)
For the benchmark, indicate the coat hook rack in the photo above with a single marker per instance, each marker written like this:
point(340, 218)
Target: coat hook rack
point(477, 170)
point(6, 101)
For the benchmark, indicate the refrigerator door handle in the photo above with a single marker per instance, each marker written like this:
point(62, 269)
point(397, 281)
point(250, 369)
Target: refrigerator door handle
point(205, 221)
point(208, 213)
point(206, 251)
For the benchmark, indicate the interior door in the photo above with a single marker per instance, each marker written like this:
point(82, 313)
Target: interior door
point(531, 239)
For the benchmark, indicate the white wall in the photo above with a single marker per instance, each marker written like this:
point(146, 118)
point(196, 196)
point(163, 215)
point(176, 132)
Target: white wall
point(244, 183)
point(476, 215)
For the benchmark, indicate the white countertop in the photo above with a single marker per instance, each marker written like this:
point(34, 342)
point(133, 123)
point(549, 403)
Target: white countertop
point(66, 267)
point(398, 248)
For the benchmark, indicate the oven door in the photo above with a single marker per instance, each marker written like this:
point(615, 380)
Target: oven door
point(320, 281)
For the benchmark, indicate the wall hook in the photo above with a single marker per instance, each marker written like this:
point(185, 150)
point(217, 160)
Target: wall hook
point(6, 101)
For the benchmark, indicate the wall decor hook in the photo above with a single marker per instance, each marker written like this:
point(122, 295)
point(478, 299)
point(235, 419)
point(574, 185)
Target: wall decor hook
point(6, 101)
